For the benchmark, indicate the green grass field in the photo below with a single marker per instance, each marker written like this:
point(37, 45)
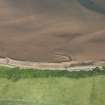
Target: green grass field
point(21, 87)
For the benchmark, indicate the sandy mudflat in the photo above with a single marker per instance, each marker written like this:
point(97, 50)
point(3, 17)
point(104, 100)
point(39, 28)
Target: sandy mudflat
point(52, 30)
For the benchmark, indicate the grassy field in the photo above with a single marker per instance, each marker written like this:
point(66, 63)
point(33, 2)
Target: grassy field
point(21, 87)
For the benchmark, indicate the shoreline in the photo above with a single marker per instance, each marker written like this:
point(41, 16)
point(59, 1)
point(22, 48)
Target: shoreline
point(69, 66)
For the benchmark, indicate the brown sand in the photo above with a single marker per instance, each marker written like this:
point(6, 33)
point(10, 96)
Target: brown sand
point(51, 30)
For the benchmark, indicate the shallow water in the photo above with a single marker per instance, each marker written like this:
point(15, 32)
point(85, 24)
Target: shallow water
point(98, 6)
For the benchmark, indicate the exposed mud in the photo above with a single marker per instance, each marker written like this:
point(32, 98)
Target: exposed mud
point(52, 30)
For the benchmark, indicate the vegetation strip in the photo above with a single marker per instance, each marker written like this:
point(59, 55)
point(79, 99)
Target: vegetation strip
point(17, 73)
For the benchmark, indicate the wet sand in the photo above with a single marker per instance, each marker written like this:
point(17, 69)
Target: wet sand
point(52, 30)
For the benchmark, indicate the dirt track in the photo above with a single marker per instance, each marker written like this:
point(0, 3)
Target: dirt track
point(52, 30)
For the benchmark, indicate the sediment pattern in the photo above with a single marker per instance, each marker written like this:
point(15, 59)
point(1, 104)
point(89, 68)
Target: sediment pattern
point(52, 30)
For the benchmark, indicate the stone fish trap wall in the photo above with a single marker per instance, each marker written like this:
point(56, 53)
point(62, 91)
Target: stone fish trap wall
point(73, 65)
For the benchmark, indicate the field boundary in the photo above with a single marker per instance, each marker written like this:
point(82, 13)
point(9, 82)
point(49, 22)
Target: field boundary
point(70, 66)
